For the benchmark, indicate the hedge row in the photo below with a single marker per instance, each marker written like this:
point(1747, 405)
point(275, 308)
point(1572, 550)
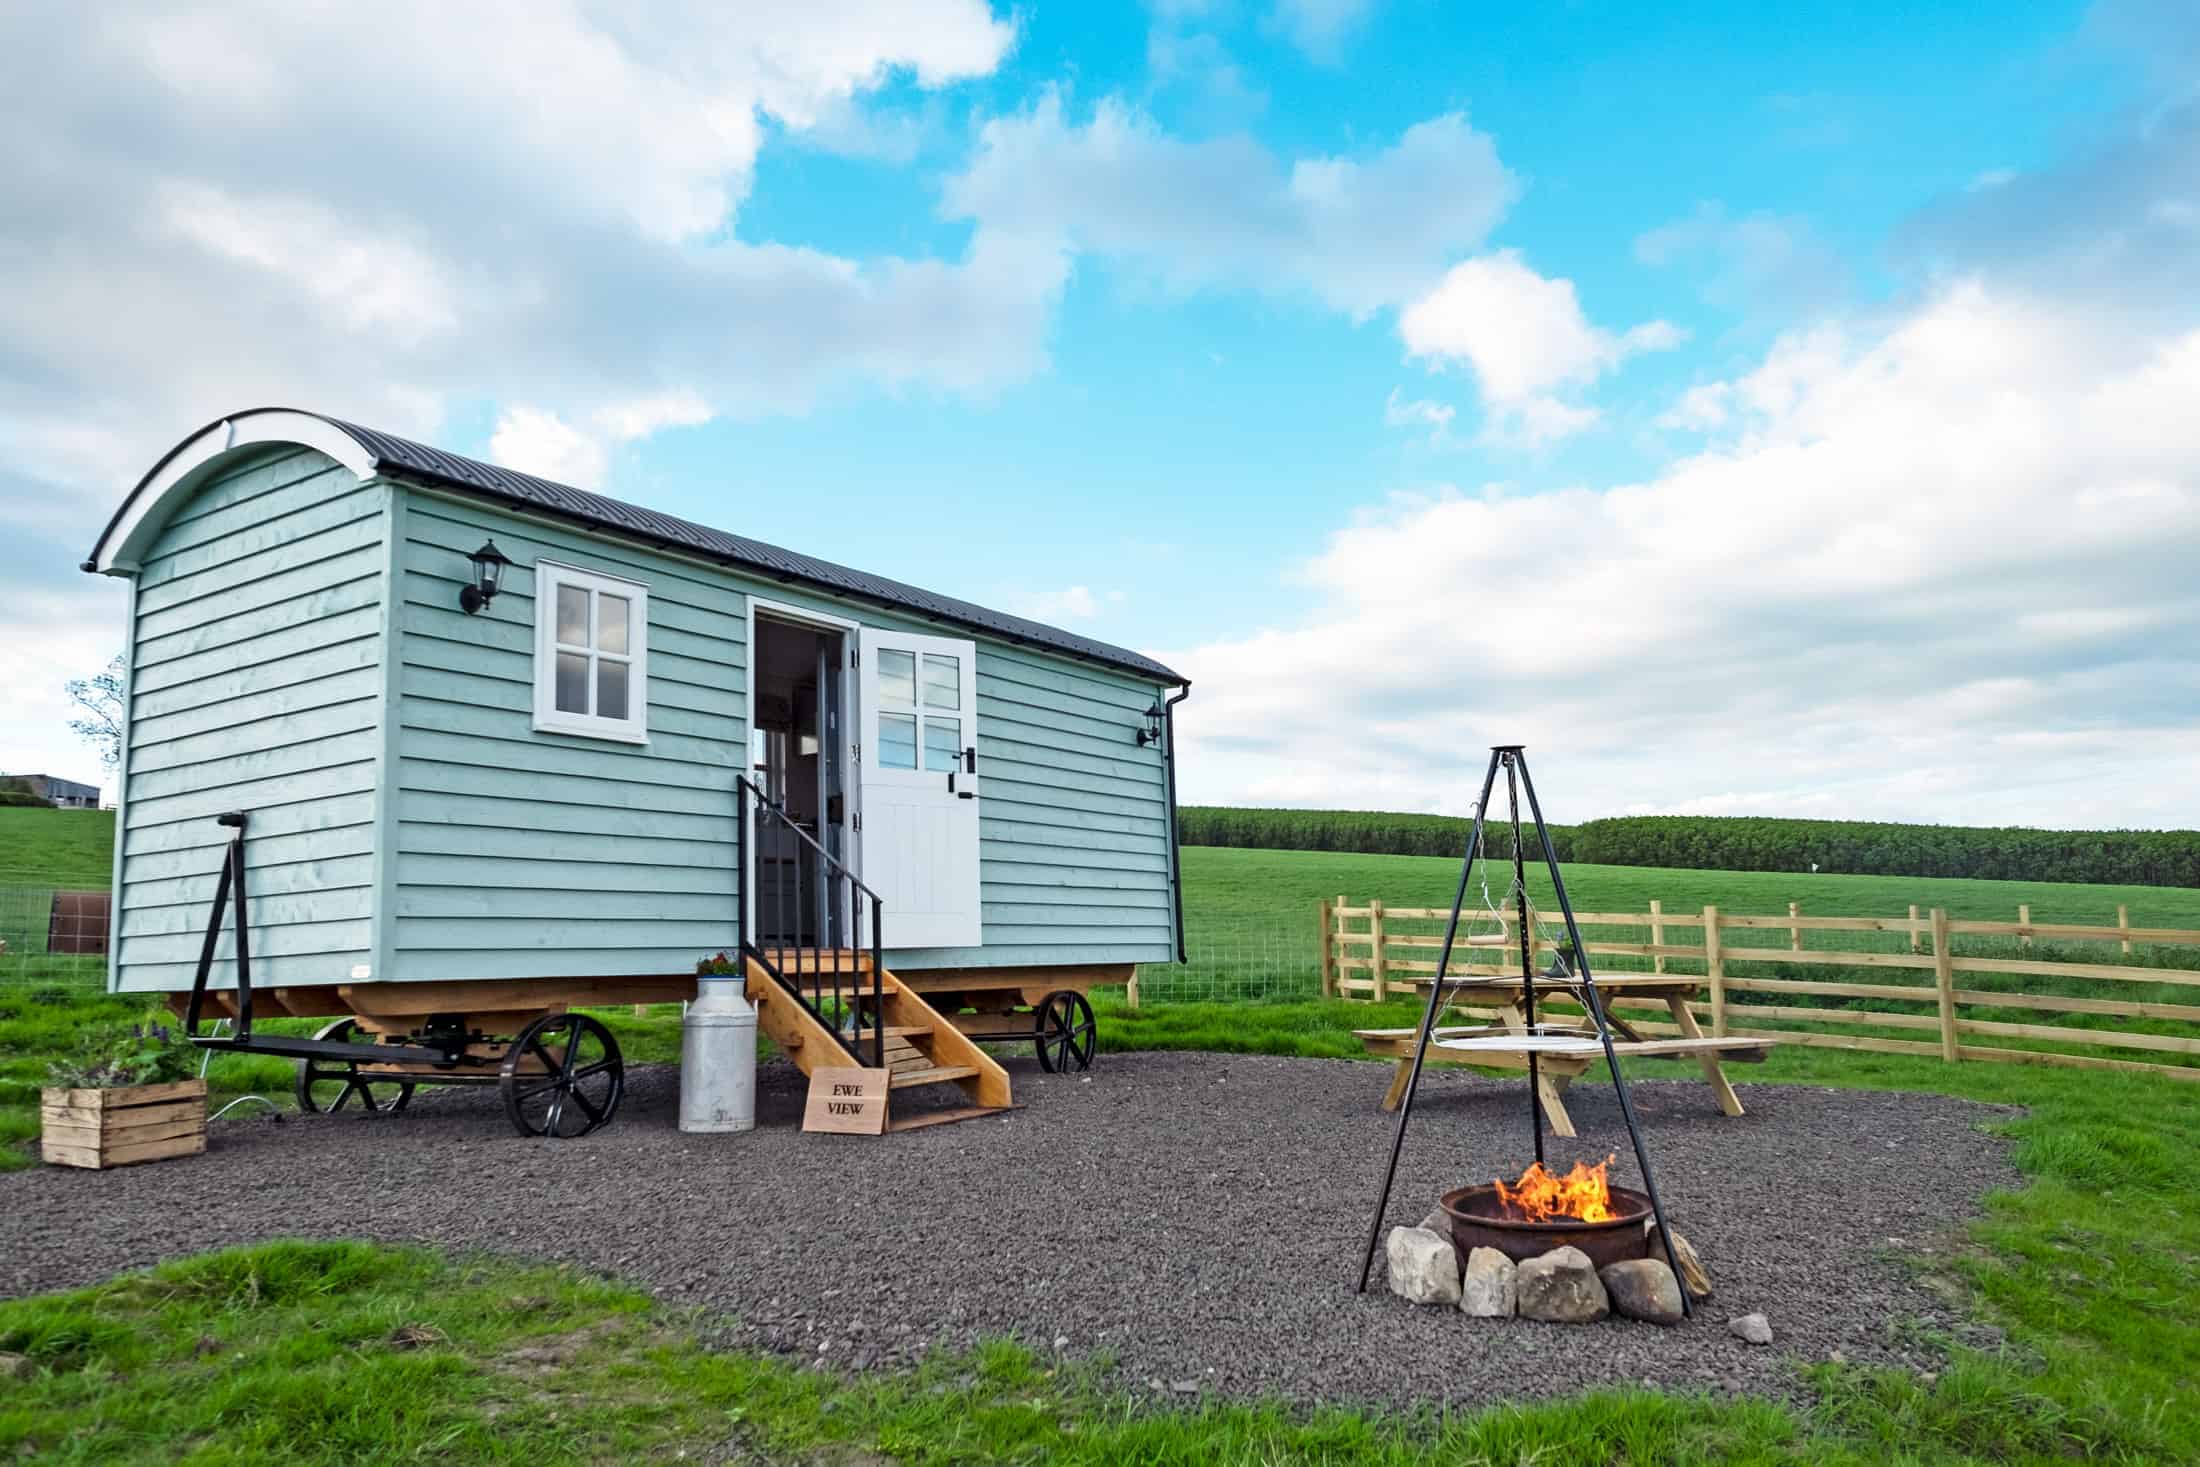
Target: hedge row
point(1992, 853)
point(1737, 843)
point(1364, 832)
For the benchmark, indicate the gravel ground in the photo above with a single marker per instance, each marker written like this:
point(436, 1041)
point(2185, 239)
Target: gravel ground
point(1197, 1217)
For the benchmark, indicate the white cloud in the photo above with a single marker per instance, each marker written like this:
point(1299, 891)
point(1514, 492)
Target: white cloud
point(355, 279)
point(1702, 407)
point(1934, 569)
point(1072, 603)
point(1200, 77)
point(1319, 27)
point(1417, 412)
point(385, 211)
point(640, 417)
point(380, 211)
point(1524, 335)
point(1768, 265)
point(538, 442)
point(1358, 233)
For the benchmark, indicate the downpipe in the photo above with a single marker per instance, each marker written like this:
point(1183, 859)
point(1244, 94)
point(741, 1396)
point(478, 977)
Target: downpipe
point(1176, 854)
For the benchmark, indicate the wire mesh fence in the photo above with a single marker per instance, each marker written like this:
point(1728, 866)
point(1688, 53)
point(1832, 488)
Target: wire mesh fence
point(1233, 964)
point(53, 936)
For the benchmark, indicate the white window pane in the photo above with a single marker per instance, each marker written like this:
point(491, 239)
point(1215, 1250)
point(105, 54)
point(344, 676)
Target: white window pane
point(572, 682)
point(897, 740)
point(572, 617)
point(610, 687)
point(897, 680)
point(942, 681)
point(610, 623)
point(942, 743)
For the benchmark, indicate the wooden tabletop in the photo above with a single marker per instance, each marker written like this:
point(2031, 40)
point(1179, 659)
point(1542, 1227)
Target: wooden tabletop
point(1652, 985)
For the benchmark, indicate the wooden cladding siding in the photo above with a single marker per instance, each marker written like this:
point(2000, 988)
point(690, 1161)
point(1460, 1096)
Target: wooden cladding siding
point(520, 854)
point(255, 684)
point(1073, 829)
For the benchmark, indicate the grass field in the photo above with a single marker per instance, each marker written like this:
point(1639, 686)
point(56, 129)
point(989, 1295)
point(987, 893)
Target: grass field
point(336, 1352)
point(56, 847)
point(1229, 891)
point(40, 850)
point(1251, 917)
point(331, 1352)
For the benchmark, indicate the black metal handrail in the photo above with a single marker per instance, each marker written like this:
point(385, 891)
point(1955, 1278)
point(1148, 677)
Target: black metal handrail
point(810, 933)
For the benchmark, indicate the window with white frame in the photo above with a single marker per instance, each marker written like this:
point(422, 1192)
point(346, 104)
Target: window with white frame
point(591, 654)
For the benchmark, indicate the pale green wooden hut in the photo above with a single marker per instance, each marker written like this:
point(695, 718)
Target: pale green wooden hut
point(540, 788)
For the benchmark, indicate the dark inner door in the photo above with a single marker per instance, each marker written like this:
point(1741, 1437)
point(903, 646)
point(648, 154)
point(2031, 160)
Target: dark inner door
point(795, 756)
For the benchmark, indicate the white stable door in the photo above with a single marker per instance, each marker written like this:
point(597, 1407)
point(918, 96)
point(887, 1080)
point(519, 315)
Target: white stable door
point(917, 762)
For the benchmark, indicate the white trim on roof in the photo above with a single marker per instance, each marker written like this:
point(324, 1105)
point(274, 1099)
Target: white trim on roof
point(147, 511)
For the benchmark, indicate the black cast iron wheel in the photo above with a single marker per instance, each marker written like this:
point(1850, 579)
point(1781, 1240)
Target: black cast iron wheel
point(1066, 1032)
point(562, 1077)
point(326, 1087)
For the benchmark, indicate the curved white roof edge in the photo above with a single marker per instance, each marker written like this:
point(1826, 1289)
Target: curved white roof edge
point(122, 545)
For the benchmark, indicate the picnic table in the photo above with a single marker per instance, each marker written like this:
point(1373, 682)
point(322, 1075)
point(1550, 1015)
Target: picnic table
point(1563, 1049)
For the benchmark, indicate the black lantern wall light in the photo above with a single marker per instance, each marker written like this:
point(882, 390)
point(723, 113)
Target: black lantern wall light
point(1151, 733)
point(488, 563)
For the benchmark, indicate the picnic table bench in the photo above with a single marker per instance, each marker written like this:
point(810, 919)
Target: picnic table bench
point(1562, 1051)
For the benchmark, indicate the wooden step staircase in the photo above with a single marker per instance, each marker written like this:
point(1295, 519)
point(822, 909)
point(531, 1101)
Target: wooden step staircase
point(923, 1047)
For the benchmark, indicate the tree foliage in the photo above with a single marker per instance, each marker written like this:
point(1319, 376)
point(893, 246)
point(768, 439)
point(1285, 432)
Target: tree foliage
point(1363, 832)
point(98, 700)
point(1736, 843)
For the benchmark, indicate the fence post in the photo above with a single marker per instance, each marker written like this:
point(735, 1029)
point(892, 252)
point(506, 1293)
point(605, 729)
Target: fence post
point(2123, 920)
point(1795, 927)
point(1328, 950)
point(1130, 992)
point(1714, 966)
point(1944, 981)
point(1657, 935)
point(2024, 919)
point(1916, 937)
point(1375, 937)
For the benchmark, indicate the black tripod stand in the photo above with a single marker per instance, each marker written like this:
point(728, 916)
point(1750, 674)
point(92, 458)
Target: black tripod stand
point(1512, 759)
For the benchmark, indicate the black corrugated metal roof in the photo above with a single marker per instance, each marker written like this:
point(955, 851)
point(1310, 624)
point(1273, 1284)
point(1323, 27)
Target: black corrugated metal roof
point(406, 459)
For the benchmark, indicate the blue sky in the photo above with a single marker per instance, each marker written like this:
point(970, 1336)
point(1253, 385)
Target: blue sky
point(1228, 422)
point(1764, 408)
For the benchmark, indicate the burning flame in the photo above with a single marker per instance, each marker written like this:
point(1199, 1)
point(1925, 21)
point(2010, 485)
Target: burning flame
point(1582, 1193)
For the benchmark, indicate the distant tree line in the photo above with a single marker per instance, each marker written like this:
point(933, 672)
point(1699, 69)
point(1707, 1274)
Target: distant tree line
point(15, 790)
point(1365, 832)
point(1736, 843)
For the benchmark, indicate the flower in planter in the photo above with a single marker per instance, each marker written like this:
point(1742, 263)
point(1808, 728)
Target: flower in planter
point(717, 965)
point(115, 1055)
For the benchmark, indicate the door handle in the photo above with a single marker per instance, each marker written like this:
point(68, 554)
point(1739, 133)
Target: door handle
point(970, 766)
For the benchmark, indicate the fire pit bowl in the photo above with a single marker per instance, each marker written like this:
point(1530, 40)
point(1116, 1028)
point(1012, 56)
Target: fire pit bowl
point(1479, 1219)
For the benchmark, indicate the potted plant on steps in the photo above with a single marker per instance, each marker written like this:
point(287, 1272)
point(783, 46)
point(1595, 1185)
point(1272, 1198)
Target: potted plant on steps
point(129, 1094)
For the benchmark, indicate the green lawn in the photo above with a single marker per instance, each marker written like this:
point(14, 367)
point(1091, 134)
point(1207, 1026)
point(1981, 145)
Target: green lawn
point(332, 1352)
point(39, 847)
point(1228, 891)
point(1252, 928)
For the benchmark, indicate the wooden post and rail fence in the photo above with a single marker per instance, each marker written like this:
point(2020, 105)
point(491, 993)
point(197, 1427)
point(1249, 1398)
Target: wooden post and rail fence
point(1376, 951)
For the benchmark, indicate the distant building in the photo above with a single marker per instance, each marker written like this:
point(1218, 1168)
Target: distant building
point(62, 794)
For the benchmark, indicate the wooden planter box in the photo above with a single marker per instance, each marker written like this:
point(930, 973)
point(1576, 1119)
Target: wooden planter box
point(103, 1128)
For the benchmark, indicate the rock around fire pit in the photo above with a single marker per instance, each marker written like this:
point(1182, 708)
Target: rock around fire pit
point(1568, 1250)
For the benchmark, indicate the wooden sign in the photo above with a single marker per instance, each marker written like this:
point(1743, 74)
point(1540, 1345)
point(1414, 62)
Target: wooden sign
point(850, 1101)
